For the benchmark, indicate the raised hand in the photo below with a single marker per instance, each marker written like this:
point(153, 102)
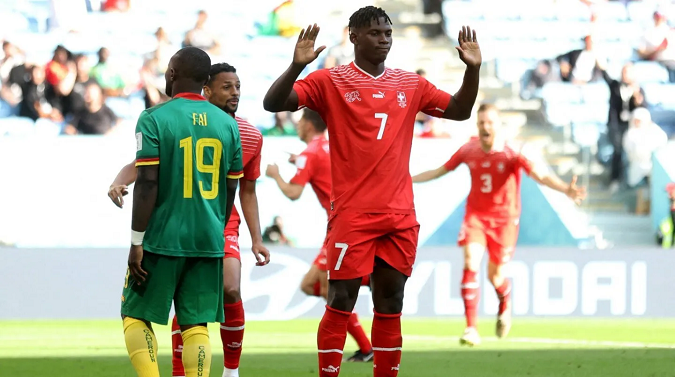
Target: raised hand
point(577, 194)
point(304, 49)
point(468, 48)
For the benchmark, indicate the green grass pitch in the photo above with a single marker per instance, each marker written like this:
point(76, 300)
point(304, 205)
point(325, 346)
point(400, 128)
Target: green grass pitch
point(535, 348)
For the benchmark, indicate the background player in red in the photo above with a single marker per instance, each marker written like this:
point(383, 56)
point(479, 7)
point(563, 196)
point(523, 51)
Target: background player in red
point(493, 211)
point(370, 113)
point(314, 168)
point(223, 90)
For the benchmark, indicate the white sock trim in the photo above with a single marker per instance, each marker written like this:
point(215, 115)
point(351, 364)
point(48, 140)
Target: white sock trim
point(176, 333)
point(332, 351)
point(238, 328)
point(387, 349)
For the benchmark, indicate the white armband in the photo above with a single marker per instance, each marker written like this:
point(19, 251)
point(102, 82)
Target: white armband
point(137, 238)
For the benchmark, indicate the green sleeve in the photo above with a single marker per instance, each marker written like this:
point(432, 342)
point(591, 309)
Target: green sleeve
point(147, 140)
point(236, 170)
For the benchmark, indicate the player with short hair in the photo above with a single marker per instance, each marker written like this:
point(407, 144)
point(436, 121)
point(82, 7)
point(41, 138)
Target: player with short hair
point(372, 230)
point(179, 211)
point(313, 166)
point(223, 90)
point(493, 211)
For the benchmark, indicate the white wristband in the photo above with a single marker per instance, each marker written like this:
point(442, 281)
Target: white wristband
point(137, 238)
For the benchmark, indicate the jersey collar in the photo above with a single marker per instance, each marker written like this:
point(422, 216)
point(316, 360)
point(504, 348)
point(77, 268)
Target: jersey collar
point(356, 67)
point(191, 96)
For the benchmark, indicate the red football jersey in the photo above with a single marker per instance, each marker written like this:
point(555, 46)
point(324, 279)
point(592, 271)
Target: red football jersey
point(314, 168)
point(370, 129)
point(495, 178)
point(251, 145)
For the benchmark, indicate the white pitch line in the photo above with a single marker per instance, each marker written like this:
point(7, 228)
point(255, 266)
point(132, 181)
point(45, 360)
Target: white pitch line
point(571, 342)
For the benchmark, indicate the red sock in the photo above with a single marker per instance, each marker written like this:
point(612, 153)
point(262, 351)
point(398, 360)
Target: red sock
point(232, 334)
point(471, 296)
point(331, 341)
point(317, 289)
point(387, 343)
point(356, 331)
point(504, 295)
point(177, 344)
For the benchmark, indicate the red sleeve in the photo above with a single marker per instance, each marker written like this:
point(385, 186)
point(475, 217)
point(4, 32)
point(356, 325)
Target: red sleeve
point(524, 163)
point(310, 89)
point(433, 100)
point(304, 174)
point(456, 159)
point(252, 169)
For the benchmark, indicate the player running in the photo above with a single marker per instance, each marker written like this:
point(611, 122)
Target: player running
point(370, 113)
point(313, 166)
point(223, 90)
point(492, 212)
point(179, 212)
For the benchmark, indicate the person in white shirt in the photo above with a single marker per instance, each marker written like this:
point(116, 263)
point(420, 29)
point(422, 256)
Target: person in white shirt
point(658, 44)
point(640, 141)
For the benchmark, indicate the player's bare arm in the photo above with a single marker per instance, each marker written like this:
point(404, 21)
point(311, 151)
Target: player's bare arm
point(231, 192)
point(430, 175)
point(461, 104)
point(249, 206)
point(281, 96)
point(550, 180)
point(145, 196)
point(291, 190)
point(120, 186)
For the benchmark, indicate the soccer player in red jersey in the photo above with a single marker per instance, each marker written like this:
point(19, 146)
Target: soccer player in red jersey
point(492, 212)
point(372, 229)
point(313, 166)
point(223, 90)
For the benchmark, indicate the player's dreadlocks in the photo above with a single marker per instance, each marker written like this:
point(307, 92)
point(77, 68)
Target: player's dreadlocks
point(220, 68)
point(365, 15)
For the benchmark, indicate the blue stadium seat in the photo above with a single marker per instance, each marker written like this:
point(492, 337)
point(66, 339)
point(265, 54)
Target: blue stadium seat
point(586, 133)
point(662, 95)
point(512, 70)
point(558, 113)
point(640, 12)
point(13, 22)
point(542, 11)
point(590, 113)
point(560, 92)
point(464, 10)
point(572, 10)
point(650, 72)
point(593, 93)
point(16, 126)
point(610, 11)
point(119, 106)
point(665, 119)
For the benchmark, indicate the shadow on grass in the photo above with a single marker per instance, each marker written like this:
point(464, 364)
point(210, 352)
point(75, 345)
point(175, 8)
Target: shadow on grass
point(464, 363)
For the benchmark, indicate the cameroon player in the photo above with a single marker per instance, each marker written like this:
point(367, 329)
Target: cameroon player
point(184, 149)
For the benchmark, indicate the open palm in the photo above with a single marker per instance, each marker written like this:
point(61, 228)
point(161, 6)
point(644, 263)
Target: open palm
point(304, 48)
point(468, 48)
point(577, 194)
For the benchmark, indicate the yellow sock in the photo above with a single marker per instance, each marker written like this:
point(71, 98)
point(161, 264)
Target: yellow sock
point(196, 352)
point(142, 347)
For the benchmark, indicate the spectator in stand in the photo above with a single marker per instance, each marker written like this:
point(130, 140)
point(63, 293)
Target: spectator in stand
point(74, 101)
point(578, 66)
point(115, 5)
point(10, 92)
point(274, 233)
point(283, 125)
point(152, 84)
point(201, 37)
point(641, 140)
point(35, 104)
point(340, 54)
point(165, 50)
point(624, 97)
point(57, 69)
point(96, 118)
point(107, 76)
point(658, 44)
point(536, 78)
point(12, 56)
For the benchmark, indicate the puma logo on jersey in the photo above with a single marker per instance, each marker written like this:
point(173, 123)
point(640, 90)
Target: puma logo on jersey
point(378, 95)
point(353, 96)
point(486, 164)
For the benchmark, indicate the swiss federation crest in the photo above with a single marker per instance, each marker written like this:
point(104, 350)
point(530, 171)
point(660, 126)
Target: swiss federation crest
point(353, 96)
point(400, 97)
point(500, 167)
